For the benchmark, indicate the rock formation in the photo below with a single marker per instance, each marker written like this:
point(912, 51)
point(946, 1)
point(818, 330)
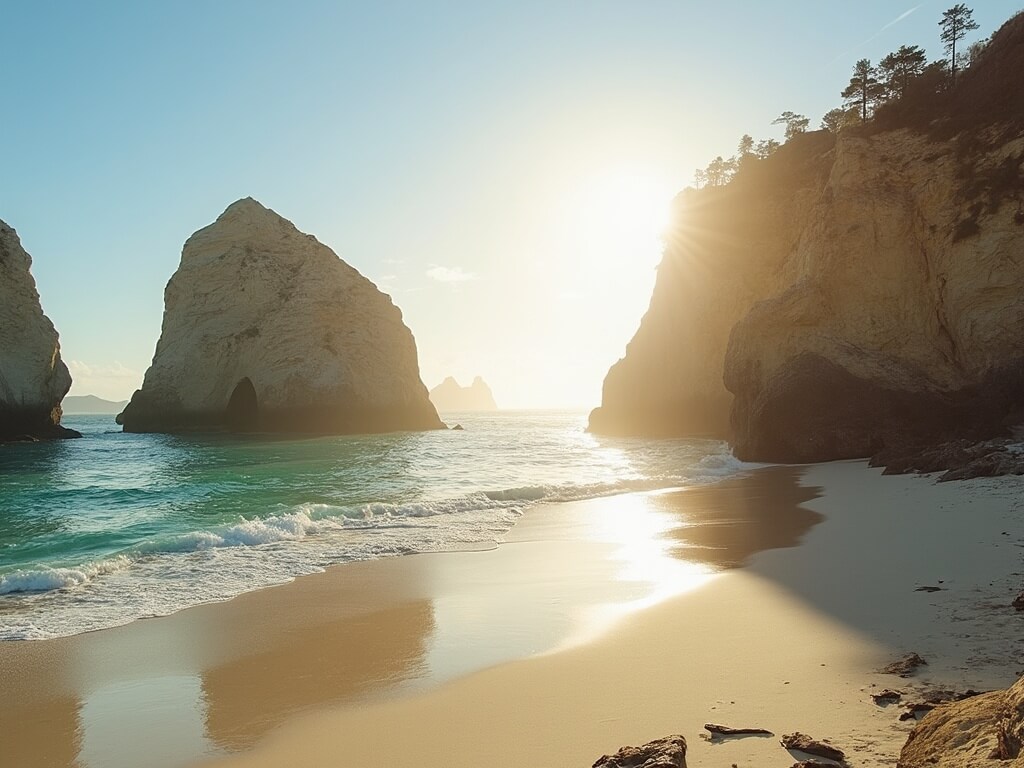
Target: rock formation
point(449, 396)
point(978, 731)
point(33, 378)
point(668, 752)
point(727, 248)
point(266, 329)
point(853, 294)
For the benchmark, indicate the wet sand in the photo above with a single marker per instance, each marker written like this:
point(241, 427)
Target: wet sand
point(595, 624)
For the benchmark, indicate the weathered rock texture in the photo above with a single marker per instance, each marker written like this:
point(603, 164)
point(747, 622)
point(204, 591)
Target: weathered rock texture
point(449, 396)
point(266, 329)
point(853, 295)
point(983, 730)
point(33, 378)
point(668, 752)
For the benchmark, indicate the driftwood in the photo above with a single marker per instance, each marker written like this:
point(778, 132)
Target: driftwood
point(804, 743)
point(725, 730)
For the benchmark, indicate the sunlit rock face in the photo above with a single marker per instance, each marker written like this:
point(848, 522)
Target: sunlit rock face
point(266, 329)
point(982, 730)
point(847, 296)
point(449, 396)
point(727, 248)
point(901, 323)
point(33, 378)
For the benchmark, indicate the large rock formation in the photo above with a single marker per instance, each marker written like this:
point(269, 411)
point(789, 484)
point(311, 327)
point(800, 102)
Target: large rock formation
point(266, 329)
point(853, 295)
point(979, 731)
point(726, 249)
point(33, 378)
point(898, 325)
point(449, 396)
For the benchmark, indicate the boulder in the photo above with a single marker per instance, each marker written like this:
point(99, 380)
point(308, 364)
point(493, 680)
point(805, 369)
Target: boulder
point(266, 329)
point(33, 378)
point(980, 730)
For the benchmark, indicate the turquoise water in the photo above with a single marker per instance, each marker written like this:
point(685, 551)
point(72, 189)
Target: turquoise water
point(113, 527)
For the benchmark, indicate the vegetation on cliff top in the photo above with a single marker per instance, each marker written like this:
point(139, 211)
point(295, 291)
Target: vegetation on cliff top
point(970, 88)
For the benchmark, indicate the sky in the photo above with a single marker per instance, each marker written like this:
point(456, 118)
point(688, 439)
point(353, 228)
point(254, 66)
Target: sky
point(501, 170)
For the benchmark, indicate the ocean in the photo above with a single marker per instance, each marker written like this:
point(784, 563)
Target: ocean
point(115, 527)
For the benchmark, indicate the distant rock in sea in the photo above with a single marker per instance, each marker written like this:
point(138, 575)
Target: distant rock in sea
point(90, 404)
point(33, 378)
point(449, 396)
point(266, 329)
point(852, 293)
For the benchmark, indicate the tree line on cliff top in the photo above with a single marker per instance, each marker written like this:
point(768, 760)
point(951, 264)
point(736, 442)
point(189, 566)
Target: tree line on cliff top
point(903, 78)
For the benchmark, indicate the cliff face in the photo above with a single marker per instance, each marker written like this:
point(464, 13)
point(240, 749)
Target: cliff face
point(33, 378)
point(847, 296)
point(727, 248)
point(266, 329)
point(903, 320)
point(449, 396)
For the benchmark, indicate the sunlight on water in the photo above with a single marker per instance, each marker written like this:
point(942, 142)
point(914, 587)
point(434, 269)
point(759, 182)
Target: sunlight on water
point(113, 527)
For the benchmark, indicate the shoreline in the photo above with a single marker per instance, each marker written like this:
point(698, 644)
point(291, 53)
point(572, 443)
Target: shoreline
point(528, 643)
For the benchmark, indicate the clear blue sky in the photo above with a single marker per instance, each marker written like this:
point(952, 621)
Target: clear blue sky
point(468, 157)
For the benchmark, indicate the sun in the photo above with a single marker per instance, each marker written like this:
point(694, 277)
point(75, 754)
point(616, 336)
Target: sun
point(622, 215)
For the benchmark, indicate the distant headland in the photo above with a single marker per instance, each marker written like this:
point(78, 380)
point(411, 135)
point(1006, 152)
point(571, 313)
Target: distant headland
point(450, 396)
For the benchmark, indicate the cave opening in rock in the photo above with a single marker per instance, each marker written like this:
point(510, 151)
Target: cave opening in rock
point(242, 414)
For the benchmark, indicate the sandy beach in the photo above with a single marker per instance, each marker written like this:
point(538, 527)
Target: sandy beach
point(769, 600)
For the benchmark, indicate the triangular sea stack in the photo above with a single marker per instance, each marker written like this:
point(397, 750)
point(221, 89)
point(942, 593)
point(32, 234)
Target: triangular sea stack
point(33, 378)
point(266, 329)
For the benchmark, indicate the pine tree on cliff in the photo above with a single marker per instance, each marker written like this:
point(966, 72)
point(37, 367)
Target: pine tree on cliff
point(956, 23)
point(900, 67)
point(794, 123)
point(864, 90)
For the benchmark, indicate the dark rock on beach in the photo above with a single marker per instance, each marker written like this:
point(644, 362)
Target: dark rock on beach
point(668, 752)
point(956, 459)
point(904, 667)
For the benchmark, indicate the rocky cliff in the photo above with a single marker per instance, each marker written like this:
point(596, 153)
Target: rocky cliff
point(33, 378)
point(727, 247)
point(844, 297)
point(266, 329)
point(449, 396)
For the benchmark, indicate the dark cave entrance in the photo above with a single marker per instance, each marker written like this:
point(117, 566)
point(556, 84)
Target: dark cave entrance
point(242, 414)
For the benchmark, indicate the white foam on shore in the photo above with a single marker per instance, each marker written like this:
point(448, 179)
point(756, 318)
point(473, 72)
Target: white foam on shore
point(168, 573)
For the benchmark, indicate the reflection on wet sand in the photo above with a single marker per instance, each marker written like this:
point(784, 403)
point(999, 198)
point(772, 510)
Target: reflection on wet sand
point(315, 664)
point(724, 524)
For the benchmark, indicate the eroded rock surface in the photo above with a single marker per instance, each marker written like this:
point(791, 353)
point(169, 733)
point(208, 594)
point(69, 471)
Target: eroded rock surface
point(987, 729)
point(668, 752)
point(33, 378)
point(266, 329)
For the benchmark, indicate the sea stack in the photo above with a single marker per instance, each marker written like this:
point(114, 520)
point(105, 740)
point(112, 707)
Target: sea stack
point(33, 378)
point(266, 329)
point(449, 396)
